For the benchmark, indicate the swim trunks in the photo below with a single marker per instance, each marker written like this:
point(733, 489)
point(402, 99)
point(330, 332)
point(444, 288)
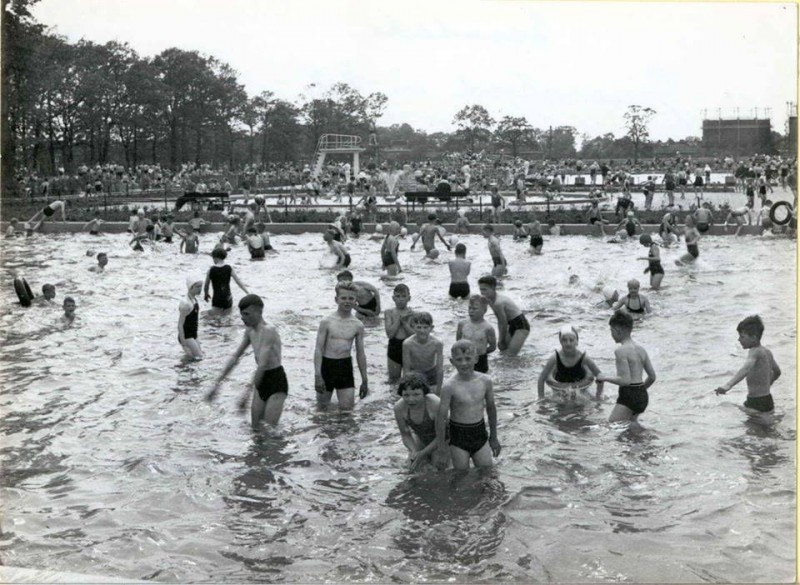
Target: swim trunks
point(569, 374)
point(702, 227)
point(272, 382)
point(370, 305)
point(655, 268)
point(395, 350)
point(594, 220)
point(468, 437)
point(256, 253)
point(698, 181)
point(337, 373)
point(536, 241)
point(633, 397)
point(760, 403)
point(459, 290)
point(498, 261)
point(482, 365)
point(693, 250)
point(518, 322)
point(167, 239)
point(94, 233)
point(630, 227)
point(48, 211)
point(346, 262)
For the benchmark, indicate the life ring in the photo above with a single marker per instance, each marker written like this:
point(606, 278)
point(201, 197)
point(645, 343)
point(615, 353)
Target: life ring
point(773, 213)
point(24, 293)
point(574, 387)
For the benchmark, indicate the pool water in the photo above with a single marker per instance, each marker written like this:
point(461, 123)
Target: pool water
point(113, 464)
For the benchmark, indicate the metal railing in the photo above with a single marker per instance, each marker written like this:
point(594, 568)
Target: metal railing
point(337, 141)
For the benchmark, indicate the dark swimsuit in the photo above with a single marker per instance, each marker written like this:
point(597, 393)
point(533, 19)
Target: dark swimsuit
point(459, 290)
point(425, 430)
point(634, 397)
point(569, 374)
point(693, 250)
point(48, 211)
point(630, 227)
point(272, 382)
point(518, 322)
point(468, 437)
point(482, 365)
point(630, 310)
point(760, 403)
point(655, 265)
point(536, 241)
point(337, 373)
point(498, 261)
point(386, 257)
point(221, 281)
point(94, 233)
point(190, 324)
point(255, 253)
point(395, 350)
point(346, 261)
point(370, 305)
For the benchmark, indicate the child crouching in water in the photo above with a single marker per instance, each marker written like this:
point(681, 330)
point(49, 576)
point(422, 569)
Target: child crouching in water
point(569, 372)
point(415, 414)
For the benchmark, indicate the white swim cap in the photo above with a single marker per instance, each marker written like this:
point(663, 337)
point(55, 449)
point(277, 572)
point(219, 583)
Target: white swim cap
point(191, 279)
point(403, 231)
point(378, 228)
point(608, 293)
point(567, 330)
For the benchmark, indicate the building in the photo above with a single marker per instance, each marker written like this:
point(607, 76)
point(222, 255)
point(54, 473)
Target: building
point(739, 136)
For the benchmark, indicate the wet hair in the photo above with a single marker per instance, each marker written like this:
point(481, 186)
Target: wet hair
point(463, 346)
point(250, 300)
point(751, 325)
point(461, 249)
point(518, 223)
point(551, 222)
point(621, 320)
point(69, 300)
point(489, 280)
point(479, 299)
point(413, 381)
point(348, 286)
point(634, 282)
point(47, 287)
point(431, 216)
point(488, 228)
point(150, 228)
point(101, 255)
point(402, 288)
point(422, 317)
point(345, 275)
point(219, 253)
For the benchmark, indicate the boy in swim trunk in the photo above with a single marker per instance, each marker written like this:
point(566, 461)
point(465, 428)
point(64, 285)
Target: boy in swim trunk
point(337, 249)
point(692, 237)
point(500, 266)
point(48, 211)
point(479, 331)
point(190, 242)
point(703, 218)
point(333, 364)
point(102, 260)
point(738, 217)
point(631, 360)
point(760, 368)
point(512, 326)
point(465, 396)
point(535, 231)
point(69, 311)
point(459, 271)
point(424, 353)
point(397, 330)
point(93, 225)
point(269, 381)
point(428, 232)
point(367, 296)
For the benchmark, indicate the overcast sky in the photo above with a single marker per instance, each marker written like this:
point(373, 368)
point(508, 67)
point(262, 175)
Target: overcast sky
point(556, 63)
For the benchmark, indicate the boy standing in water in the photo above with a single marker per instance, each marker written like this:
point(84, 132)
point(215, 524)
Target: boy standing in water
point(459, 271)
point(631, 360)
point(512, 326)
point(333, 365)
point(465, 396)
point(337, 249)
point(69, 311)
point(190, 242)
point(397, 330)
point(428, 232)
point(478, 330)
point(760, 368)
point(269, 381)
point(424, 353)
point(498, 260)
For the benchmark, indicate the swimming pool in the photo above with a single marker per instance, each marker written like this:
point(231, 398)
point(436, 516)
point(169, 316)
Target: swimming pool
point(112, 463)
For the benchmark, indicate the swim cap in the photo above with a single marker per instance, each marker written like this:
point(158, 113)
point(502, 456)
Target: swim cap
point(403, 231)
point(378, 228)
point(630, 214)
point(608, 293)
point(645, 239)
point(192, 279)
point(567, 330)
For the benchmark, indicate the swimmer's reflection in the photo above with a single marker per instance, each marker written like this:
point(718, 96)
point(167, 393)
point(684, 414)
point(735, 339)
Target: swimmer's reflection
point(455, 516)
point(571, 416)
point(262, 485)
point(761, 444)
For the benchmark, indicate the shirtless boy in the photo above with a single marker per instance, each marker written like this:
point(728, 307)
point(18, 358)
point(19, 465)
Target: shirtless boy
point(459, 271)
point(423, 353)
point(631, 360)
point(269, 381)
point(760, 368)
point(367, 296)
point(333, 364)
point(738, 217)
point(428, 232)
point(397, 330)
point(500, 266)
point(512, 326)
point(102, 260)
point(465, 396)
point(479, 331)
point(337, 249)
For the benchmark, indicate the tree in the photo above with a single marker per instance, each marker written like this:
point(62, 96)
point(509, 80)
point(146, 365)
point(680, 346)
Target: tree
point(636, 120)
point(515, 131)
point(474, 124)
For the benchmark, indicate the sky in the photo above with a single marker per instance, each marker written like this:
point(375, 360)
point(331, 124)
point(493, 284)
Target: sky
point(555, 63)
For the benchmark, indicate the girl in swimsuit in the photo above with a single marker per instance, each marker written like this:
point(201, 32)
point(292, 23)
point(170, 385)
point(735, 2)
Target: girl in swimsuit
point(633, 303)
point(569, 371)
point(654, 259)
point(415, 414)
